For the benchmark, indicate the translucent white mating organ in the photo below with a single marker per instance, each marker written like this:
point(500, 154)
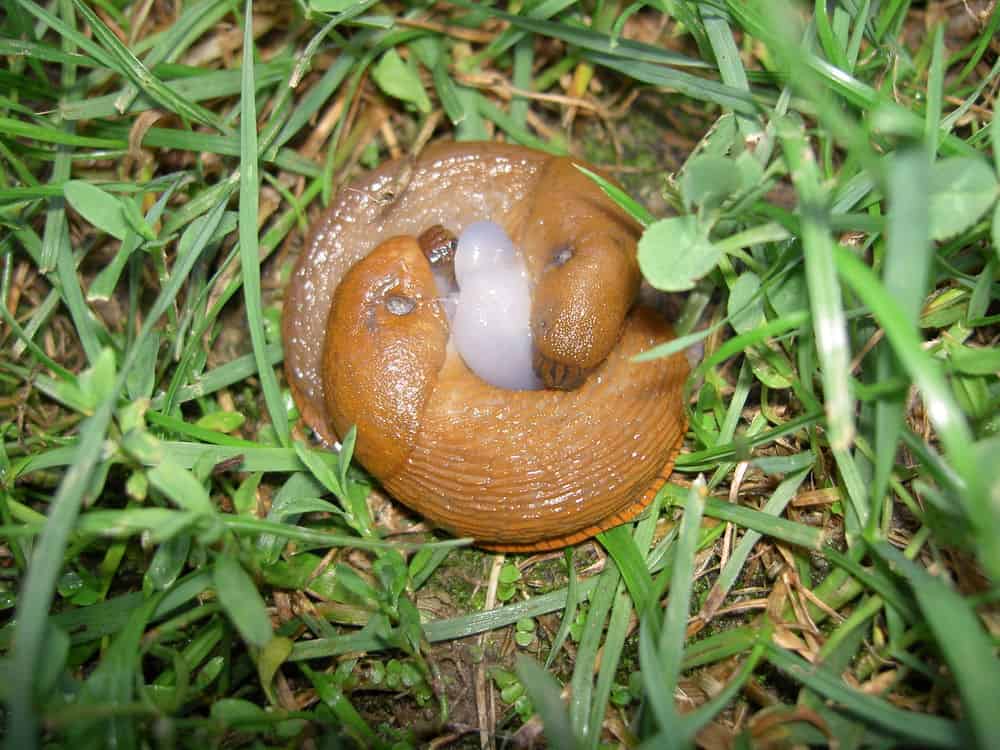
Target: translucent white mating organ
point(491, 326)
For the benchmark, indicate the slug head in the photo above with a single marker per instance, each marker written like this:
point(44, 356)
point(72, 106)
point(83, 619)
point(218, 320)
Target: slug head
point(385, 343)
point(580, 250)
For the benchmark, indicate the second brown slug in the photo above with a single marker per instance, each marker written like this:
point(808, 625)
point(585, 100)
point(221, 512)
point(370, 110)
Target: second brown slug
point(367, 344)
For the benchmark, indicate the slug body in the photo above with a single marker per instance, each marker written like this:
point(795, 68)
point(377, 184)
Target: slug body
point(367, 343)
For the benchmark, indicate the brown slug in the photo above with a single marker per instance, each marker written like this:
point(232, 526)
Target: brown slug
point(367, 344)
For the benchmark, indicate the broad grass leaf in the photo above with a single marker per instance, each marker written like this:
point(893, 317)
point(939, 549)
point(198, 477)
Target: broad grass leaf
point(962, 189)
point(168, 562)
point(986, 451)
point(332, 6)
point(53, 662)
point(708, 180)
point(428, 50)
point(674, 253)
point(751, 171)
point(447, 93)
point(96, 383)
point(236, 711)
point(720, 138)
point(100, 208)
point(401, 81)
point(224, 227)
point(141, 379)
point(319, 465)
point(245, 497)
point(790, 295)
point(975, 360)
point(241, 600)
point(996, 229)
point(181, 486)
point(770, 367)
point(295, 506)
point(222, 421)
point(136, 221)
point(208, 674)
point(995, 135)
point(746, 312)
point(544, 691)
point(272, 656)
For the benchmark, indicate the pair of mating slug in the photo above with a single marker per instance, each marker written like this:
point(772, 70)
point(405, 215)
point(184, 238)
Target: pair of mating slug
point(367, 344)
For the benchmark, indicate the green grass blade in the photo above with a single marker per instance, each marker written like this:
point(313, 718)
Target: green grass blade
point(620, 545)
point(69, 283)
point(775, 506)
point(198, 88)
point(195, 20)
point(69, 34)
point(40, 581)
point(619, 624)
point(915, 728)
point(544, 692)
point(595, 41)
point(582, 681)
point(905, 273)
point(829, 324)
point(240, 599)
point(945, 414)
point(727, 56)
point(569, 612)
point(702, 89)
point(249, 261)
point(42, 51)
point(969, 650)
point(635, 209)
point(693, 722)
point(935, 93)
point(313, 100)
point(771, 22)
point(664, 656)
point(141, 76)
point(49, 134)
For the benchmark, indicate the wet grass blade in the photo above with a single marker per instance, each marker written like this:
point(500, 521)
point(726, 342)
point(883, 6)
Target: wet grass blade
point(727, 57)
point(133, 68)
point(620, 545)
point(943, 410)
point(967, 647)
point(582, 681)
point(915, 728)
point(249, 260)
point(906, 268)
point(578, 36)
point(544, 691)
point(661, 650)
point(198, 88)
point(70, 35)
point(701, 89)
point(829, 323)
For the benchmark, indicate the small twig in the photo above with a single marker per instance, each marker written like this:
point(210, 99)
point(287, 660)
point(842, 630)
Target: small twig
point(457, 32)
